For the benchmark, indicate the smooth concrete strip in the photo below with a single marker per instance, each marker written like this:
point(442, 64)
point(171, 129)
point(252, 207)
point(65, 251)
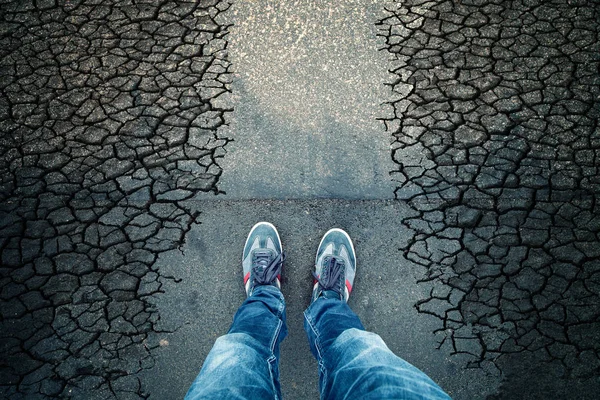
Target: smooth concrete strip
point(201, 306)
point(307, 91)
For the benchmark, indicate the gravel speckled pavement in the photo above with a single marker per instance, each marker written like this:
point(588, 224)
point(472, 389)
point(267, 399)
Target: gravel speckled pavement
point(458, 142)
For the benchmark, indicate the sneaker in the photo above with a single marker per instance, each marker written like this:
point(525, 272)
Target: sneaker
point(335, 266)
point(262, 257)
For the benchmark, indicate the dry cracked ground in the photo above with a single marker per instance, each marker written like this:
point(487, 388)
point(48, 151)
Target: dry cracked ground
point(111, 117)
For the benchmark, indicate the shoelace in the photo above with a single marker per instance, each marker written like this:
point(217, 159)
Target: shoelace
point(330, 280)
point(264, 269)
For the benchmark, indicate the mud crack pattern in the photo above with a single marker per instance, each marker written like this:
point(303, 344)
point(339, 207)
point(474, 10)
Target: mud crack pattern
point(109, 114)
point(497, 146)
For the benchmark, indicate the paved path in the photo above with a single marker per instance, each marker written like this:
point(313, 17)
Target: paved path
point(135, 139)
point(307, 94)
point(384, 294)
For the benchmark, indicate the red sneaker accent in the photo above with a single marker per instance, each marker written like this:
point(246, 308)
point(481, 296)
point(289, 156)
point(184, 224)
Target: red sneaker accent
point(246, 277)
point(348, 286)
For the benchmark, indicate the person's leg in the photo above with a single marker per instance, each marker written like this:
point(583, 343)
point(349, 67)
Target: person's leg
point(244, 364)
point(353, 363)
point(356, 364)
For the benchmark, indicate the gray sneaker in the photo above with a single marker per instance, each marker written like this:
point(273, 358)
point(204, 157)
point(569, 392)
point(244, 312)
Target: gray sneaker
point(262, 257)
point(335, 266)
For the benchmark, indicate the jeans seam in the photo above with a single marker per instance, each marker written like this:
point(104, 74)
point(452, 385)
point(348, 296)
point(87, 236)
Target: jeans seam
point(317, 335)
point(321, 361)
point(275, 336)
point(270, 361)
point(324, 371)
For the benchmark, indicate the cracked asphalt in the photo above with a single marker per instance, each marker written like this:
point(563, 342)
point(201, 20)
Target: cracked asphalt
point(472, 191)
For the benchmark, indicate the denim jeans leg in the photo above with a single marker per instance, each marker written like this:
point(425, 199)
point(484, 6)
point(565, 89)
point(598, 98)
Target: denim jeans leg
point(324, 321)
point(355, 364)
point(244, 363)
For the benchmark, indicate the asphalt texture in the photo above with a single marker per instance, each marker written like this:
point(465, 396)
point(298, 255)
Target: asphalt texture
point(201, 303)
point(458, 142)
point(307, 92)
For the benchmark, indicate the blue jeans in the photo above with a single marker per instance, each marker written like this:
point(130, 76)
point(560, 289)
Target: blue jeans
point(353, 363)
